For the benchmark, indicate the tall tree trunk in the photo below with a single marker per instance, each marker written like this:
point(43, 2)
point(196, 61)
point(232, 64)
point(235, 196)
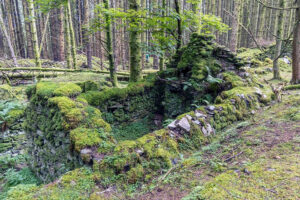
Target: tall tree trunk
point(28, 30)
point(86, 35)
point(57, 34)
point(135, 44)
point(296, 48)
point(179, 26)
point(20, 30)
point(235, 27)
point(34, 34)
point(8, 40)
point(110, 54)
point(68, 39)
point(162, 56)
point(72, 34)
point(279, 35)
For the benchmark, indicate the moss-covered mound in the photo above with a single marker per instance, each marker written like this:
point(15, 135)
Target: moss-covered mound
point(58, 126)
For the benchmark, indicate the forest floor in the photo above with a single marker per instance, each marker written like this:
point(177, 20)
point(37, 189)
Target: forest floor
point(255, 159)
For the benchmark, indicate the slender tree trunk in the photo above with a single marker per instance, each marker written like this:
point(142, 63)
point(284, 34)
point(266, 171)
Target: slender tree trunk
point(34, 34)
point(72, 35)
point(135, 44)
point(279, 35)
point(235, 27)
point(296, 48)
point(8, 40)
point(57, 34)
point(68, 39)
point(110, 54)
point(162, 56)
point(179, 25)
point(28, 30)
point(86, 35)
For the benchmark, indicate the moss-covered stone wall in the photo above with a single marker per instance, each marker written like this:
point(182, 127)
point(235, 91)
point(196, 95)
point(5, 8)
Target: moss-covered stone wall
point(57, 124)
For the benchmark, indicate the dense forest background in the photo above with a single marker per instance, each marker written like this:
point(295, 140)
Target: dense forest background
point(250, 23)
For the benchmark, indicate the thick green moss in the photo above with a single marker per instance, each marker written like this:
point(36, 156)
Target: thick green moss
point(96, 98)
point(233, 79)
point(68, 89)
point(292, 87)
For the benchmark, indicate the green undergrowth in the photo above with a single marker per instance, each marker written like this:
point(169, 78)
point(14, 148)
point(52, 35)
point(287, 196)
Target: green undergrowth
point(268, 178)
point(133, 130)
point(77, 184)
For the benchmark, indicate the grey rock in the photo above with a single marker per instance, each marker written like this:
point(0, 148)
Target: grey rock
point(184, 124)
point(197, 122)
point(204, 131)
point(200, 115)
point(211, 108)
point(286, 60)
point(189, 117)
point(86, 151)
point(172, 125)
point(140, 151)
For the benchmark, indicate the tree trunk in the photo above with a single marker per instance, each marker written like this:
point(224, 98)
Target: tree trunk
point(179, 26)
point(296, 48)
point(110, 54)
point(86, 35)
point(279, 35)
point(28, 30)
point(72, 34)
point(68, 39)
point(11, 49)
point(135, 44)
point(34, 34)
point(235, 27)
point(57, 34)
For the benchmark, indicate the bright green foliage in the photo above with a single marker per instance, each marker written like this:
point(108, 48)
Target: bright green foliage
point(77, 184)
point(10, 112)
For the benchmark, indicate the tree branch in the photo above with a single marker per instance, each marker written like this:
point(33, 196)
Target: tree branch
point(275, 8)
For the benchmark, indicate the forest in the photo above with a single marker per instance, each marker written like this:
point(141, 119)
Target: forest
point(149, 99)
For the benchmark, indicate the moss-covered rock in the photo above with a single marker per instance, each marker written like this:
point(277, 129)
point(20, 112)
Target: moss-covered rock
point(50, 117)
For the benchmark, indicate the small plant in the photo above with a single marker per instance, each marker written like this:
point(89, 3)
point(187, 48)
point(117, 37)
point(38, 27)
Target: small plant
point(5, 108)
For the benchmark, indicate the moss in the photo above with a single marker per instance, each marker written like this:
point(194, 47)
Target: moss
point(135, 174)
point(96, 98)
point(292, 87)
point(233, 79)
point(82, 138)
point(68, 89)
point(265, 174)
point(15, 115)
point(89, 86)
point(46, 89)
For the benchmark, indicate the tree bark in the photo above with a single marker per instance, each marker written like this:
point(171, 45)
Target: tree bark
point(296, 48)
point(279, 35)
point(110, 54)
point(179, 26)
point(135, 44)
point(57, 34)
point(86, 35)
point(72, 35)
point(34, 34)
point(235, 27)
point(68, 39)
point(8, 40)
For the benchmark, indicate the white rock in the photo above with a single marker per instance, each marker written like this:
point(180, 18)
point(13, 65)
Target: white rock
point(184, 124)
point(172, 125)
